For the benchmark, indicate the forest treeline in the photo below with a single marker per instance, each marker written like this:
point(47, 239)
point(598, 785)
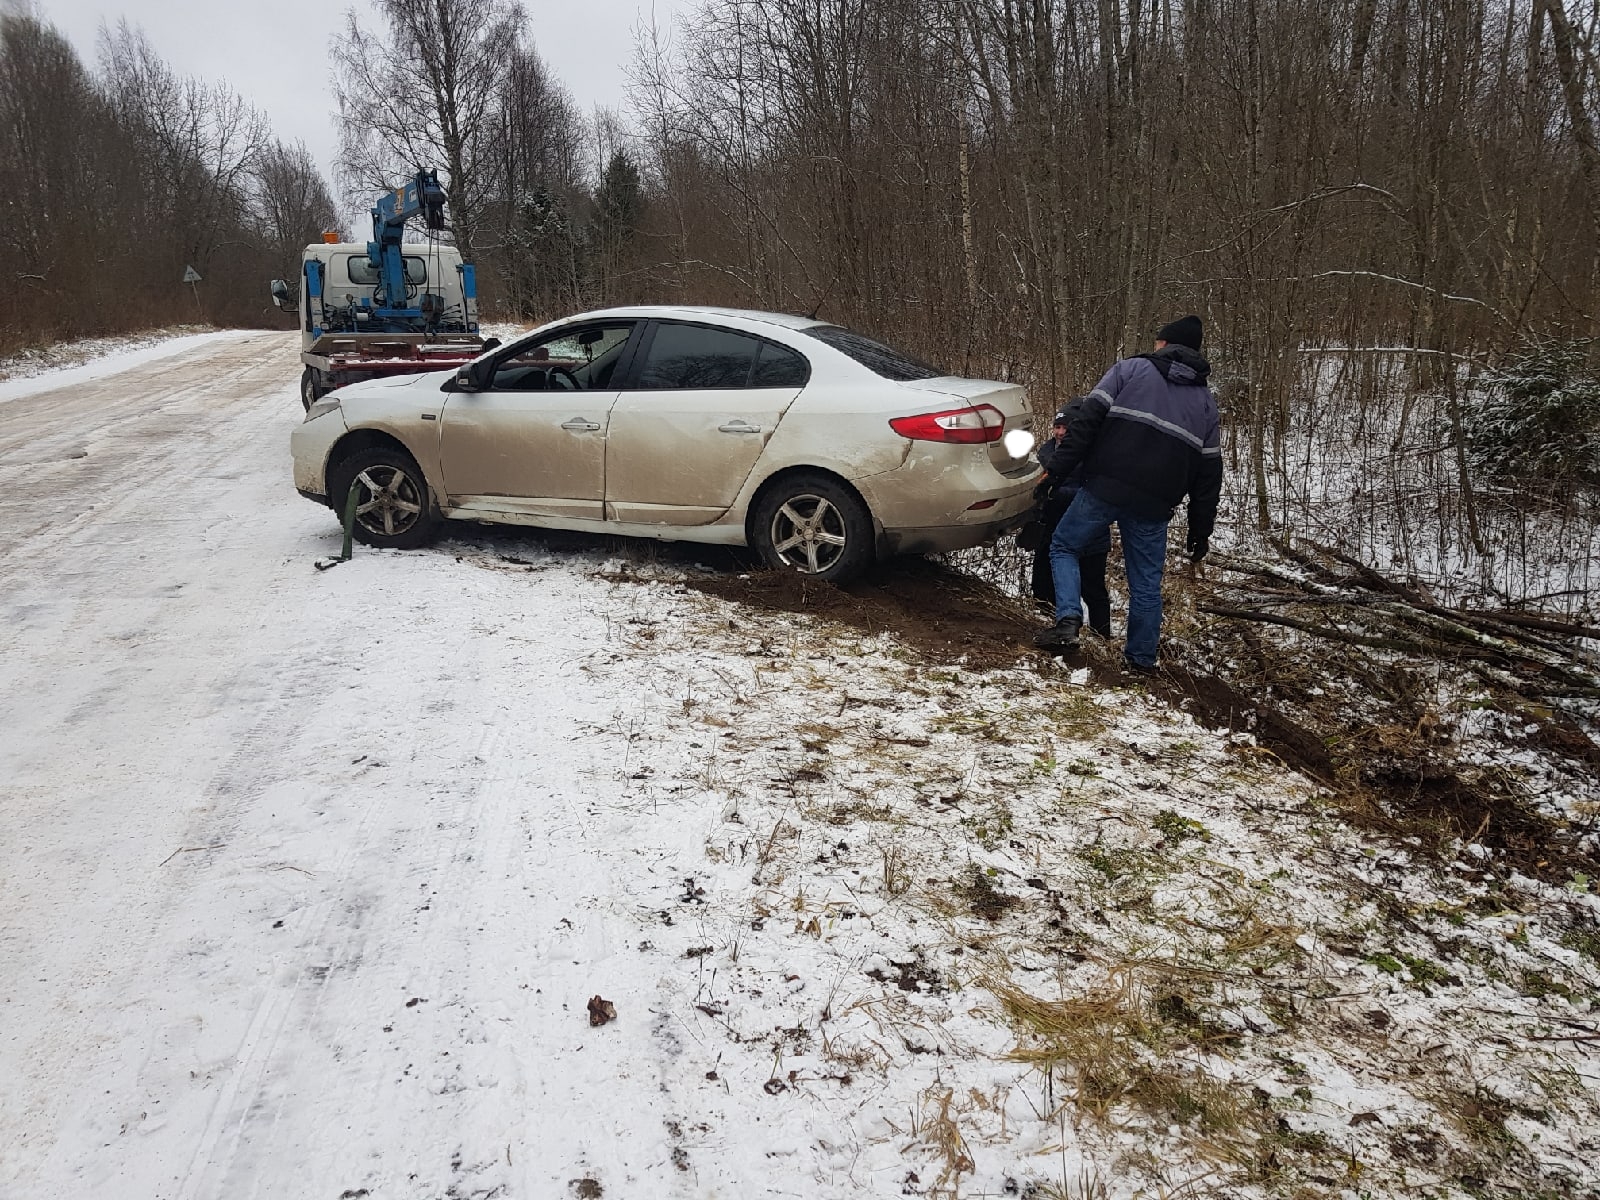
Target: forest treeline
point(115, 181)
point(1367, 200)
point(1030, 187)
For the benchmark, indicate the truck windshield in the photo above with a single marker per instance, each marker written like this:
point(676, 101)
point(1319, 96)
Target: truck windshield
point(364, 274)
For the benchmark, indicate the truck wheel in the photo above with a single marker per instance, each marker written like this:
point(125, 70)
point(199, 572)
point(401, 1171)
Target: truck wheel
point(816, 526)
point(310, 389)
point(393, 508)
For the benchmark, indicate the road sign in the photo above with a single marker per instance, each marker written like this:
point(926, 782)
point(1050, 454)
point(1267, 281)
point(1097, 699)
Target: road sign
point(190, 275)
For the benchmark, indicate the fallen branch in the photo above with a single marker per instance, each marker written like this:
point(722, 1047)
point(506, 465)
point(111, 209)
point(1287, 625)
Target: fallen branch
point(1327, 631)
point(1568, 629)
point(1403, 617)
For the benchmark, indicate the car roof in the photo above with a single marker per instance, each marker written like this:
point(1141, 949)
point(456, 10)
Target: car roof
point(783, 320)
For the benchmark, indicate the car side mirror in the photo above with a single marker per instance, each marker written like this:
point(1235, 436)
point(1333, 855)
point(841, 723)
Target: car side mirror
point(472, 377)
point(280, 293)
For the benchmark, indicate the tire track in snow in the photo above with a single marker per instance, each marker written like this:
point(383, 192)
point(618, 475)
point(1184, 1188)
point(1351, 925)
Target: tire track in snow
point(310, 960)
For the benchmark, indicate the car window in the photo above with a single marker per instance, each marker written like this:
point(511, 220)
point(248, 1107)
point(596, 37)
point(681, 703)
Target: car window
point(875, 356)
point(779, 367)
point(693, 356)
point(577, 358)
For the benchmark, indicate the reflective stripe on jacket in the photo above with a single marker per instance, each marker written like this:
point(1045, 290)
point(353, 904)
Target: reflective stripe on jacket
point(1149, 436)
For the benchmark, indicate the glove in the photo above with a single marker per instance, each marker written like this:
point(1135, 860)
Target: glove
point(1197, 547)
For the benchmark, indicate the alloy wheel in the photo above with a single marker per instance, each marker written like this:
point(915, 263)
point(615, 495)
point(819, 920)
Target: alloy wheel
point(808, 533)
point(389, 501)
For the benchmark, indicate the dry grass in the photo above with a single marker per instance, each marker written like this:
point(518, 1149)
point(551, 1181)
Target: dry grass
point(1109, 1047)
point(896, 869)
point(937, 1129)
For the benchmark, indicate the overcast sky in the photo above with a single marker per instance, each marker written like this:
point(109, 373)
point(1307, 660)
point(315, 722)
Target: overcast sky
point(275, 52)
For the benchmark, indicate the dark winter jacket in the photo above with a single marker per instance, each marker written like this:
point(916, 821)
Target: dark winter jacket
point(1055, 493)
point(1148, 436)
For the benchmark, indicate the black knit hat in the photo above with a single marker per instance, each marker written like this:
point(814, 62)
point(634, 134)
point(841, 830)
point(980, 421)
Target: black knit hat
point(1185, 331)
point(1069, 410)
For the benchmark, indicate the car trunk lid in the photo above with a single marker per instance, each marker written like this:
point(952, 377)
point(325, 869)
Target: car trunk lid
point(1010, 398)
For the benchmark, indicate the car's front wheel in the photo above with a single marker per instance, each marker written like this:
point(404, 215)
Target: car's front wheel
point(816, 526)
point(393, 508)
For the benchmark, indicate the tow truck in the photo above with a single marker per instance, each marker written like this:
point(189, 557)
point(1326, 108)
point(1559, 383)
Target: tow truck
point(385, 307)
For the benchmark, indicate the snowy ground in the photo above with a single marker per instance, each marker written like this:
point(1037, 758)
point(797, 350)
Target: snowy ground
point(71, 363)
point(311, 876)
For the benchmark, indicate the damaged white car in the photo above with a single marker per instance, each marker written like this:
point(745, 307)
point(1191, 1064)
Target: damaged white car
point(821, 448)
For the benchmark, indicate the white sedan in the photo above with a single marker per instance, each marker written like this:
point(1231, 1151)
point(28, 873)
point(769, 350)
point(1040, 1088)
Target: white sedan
point(821, 448)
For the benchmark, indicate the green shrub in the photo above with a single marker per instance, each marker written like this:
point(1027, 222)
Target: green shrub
point(1538, 416)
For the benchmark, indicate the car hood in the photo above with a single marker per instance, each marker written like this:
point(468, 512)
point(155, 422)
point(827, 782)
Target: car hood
point(427, 381)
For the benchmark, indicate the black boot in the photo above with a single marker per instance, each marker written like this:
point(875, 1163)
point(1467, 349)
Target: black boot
point(1060, 638)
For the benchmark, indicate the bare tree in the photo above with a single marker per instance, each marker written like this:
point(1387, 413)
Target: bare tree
point(205, 137)
point(292, 203)
point(532, 218)
point(110, 185)
point(421, 92)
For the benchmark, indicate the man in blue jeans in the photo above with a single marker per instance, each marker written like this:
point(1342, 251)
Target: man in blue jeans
point(1147, 437)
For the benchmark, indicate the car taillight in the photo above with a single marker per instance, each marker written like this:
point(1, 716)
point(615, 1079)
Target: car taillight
point(973, 425)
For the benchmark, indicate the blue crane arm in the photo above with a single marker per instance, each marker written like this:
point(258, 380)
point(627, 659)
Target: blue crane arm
point(422, 194)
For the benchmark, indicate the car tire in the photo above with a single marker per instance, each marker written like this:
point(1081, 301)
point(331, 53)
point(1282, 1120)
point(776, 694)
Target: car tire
point(815, 526)
point(310, 388)
point(394, 509)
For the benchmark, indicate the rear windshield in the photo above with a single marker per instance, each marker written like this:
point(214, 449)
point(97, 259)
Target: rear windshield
point(874, 356)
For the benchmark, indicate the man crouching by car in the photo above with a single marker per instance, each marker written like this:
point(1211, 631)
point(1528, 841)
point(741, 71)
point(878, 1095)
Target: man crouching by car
point(1055, 496)
point(1148, 436)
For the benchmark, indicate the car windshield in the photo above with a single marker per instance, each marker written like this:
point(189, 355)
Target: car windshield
point(875, 356)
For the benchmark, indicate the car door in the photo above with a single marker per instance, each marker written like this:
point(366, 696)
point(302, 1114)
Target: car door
point(533, 440)
point(692, 420)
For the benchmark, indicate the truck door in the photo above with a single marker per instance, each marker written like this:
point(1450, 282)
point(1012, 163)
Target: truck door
point(534, 440)
point(688, 429)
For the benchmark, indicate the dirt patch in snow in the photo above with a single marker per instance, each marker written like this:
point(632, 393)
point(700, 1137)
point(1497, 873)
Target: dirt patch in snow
point(950, 617)
point(1219, 704)
point(1358, 728)
point(1454, 809)
point(955, 619)
point(1421, 794)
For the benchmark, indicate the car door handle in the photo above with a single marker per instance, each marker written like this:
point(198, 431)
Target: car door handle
point(581, 425)
point(738, 426)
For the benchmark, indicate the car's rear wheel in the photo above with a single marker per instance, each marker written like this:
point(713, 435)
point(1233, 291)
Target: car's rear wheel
point(815, 526)
point(393, 508)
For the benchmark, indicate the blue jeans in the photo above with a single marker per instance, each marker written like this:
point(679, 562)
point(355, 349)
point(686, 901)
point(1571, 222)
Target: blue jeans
point(1086, 529)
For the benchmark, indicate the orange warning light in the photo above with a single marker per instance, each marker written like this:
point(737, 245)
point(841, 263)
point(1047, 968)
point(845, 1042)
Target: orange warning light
point(330, 236)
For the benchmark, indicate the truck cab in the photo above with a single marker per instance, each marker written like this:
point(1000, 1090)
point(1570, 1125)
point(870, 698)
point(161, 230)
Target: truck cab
point(349, 330)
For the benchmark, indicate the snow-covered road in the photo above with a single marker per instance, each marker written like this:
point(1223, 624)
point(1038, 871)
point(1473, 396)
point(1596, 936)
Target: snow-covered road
point(298, 895)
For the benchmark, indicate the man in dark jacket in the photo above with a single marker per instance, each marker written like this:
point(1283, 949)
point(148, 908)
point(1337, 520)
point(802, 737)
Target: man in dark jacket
point(1055, 497)
point(1148, 437)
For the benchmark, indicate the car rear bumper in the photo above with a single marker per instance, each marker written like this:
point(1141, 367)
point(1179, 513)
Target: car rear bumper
point(947, 498)
point(938, 539)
